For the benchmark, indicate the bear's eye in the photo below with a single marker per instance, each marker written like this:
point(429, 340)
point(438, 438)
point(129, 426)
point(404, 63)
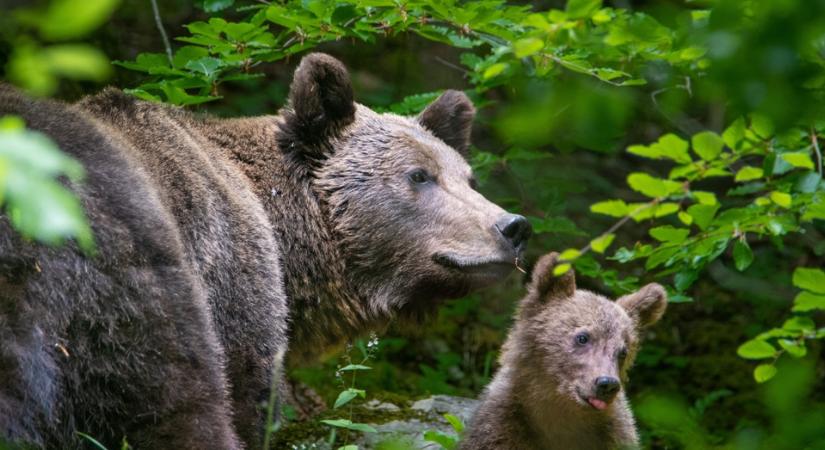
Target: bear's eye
point(473, 183)
point(622, 354)
point(420, 176)
point(582, 338)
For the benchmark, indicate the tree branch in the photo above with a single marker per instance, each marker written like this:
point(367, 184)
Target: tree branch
point(163, 35)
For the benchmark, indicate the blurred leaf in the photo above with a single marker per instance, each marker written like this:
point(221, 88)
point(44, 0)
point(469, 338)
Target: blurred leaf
point(577, 9)
point(806, 301)
point(652, 186)
point(707, 145)
point(348, 424)
point(601, 243)
point(756, 349)
point(748, 173)
point(70, 19)
point(526, 47)
point(742, 254)
point(764, 372)
point(810, 279)
point(799, 159)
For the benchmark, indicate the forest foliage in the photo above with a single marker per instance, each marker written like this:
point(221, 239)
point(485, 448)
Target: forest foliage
point(708, 116)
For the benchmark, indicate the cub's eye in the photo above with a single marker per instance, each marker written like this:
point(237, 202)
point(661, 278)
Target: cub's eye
point(622, 354)
point(420, 176)
point(473, 184)
point(582, 338)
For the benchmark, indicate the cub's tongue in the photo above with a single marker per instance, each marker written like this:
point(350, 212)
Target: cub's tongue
point(596, 403)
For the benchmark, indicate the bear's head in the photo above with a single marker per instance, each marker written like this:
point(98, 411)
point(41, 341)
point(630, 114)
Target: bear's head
point(582, 344)
point(397, 192)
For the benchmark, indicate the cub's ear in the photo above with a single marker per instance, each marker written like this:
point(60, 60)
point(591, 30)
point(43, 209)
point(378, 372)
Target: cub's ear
point(647, 305)
point(320, 100)
point(544, 285)
point(450, 118)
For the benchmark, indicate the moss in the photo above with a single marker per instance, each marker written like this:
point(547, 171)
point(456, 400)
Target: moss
point(312, 430)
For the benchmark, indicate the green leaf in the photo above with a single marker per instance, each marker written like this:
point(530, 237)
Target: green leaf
point(799, 323)
point(70, 19)
point(601, 243)
point(734, 134)
point(748, 173)
point(668, 146)
point(810, 279)
point(669, 234)
point(578, 9)
point(569, 255)
point(494, 70)
point(561, 269)
point(764, 372)
point(707, 145)
point(794, 348)
point(527, 46)
point(214, 5)
point(77, 62)
point(652, 186)
point(455, 422)
point(705, 198)
point(685, 218)
point(756, 349)
point(702, 214)
point(347, 395)
point(445, 441)
point(613, 208)
point(351, 367)
point(348, 424)
point(806, 301)
point(799, 159)
point(742, 254)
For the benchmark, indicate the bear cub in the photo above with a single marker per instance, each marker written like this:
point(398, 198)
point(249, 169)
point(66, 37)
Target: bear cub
point(563, 368)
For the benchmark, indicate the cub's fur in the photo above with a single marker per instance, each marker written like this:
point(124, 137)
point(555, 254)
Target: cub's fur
point(220, 240)
point(563, 367)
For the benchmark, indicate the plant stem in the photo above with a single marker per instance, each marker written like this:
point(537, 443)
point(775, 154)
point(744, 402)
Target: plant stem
point(163, 35)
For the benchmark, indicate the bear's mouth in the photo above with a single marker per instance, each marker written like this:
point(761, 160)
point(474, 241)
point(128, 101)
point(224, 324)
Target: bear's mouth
point(476, 266)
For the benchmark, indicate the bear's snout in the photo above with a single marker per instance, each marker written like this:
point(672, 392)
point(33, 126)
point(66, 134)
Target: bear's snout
point(515, 229)
point(607, 388)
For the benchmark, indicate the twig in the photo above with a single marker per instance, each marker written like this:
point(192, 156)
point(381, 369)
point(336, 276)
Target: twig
point(452, 66)
point(815, 142)
point(162, 31)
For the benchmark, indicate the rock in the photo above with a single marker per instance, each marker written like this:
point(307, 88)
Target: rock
point(378, 405)
point(410, 432)
point(405, 427)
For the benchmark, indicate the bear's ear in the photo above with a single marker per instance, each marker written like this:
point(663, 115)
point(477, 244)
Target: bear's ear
point(545, 285)
point(646, 306)
point(320, 100)
point(450, 118)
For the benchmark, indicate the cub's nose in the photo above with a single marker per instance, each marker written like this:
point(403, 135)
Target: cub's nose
point(607, 387)
point(515, 228)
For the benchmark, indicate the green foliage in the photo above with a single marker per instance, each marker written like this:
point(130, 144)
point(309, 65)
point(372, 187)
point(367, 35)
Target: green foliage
point(33, 198)
point(350, 392)
point(39, 66)
point(446, 441)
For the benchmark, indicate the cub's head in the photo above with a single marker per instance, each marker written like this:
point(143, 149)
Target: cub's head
point(398, 192)
point(583, 343)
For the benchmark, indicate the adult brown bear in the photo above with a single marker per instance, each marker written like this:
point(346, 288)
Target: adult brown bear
point(219, 241)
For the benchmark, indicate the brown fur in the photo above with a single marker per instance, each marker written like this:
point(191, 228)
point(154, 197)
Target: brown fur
point(210, 232)
point(539, 399)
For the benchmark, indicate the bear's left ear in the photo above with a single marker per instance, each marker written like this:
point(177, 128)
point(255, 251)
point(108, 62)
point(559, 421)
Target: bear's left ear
point(545, 285)
point(647, 305)
point(320, 101)
point(450, 118)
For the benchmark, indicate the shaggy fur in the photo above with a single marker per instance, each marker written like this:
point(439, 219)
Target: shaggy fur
point(545, 395)
point(210, 234)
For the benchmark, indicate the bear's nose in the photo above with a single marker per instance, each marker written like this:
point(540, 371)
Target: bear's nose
point(515, 228)
point(606, 387)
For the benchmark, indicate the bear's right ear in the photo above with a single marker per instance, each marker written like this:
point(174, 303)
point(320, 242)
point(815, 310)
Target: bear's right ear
point(450, 118)
point(647, 305)
point(320, 103)
point(545, 285)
